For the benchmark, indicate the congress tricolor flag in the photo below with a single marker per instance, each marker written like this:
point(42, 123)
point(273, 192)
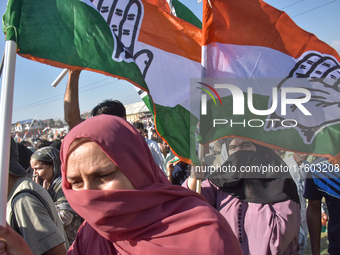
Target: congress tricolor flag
point(255, 45)
point(136, 40)
point(142, 42)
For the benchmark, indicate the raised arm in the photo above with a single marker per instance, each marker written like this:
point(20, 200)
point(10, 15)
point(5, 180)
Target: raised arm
point(314, 224)
point(71, 99)
point(170, 168)
point(195, 175)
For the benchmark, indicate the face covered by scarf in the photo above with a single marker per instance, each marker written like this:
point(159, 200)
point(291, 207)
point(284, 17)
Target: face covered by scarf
point(258, 184)
point(156, 217)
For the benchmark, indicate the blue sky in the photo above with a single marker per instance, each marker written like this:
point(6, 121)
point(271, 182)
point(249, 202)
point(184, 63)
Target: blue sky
point(33, 94)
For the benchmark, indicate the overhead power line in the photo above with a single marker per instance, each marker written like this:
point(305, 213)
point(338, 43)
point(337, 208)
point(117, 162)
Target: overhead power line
point(60, 96)
point(291, 4)
point(313, 9)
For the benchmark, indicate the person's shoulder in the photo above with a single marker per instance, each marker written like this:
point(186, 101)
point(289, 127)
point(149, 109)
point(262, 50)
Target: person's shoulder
point(152, 144)
point(149, 142)
point(25, 183)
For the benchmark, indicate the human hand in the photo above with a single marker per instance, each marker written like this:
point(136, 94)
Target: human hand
point(170, 166)
point(11, 243)
point(40, 181)
point(124, 19)
point(195, 175)
point(65, 216)
point(74, 74)
point(196, 172)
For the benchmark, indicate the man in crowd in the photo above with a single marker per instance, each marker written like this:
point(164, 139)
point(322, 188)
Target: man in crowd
point(166, 155)
point(154, 135)
point(31, 211)
point(323, 181)
point(153, 146)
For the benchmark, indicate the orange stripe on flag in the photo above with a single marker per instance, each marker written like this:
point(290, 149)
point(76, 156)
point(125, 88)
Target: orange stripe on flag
point(172, 31)
point(256, 23)
point(161, 4)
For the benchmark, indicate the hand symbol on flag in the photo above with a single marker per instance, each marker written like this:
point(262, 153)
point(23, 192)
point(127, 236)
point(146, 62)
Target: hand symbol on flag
point(322, 79)
point(125, 19)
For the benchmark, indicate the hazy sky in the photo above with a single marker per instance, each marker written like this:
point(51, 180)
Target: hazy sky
point(33, 93)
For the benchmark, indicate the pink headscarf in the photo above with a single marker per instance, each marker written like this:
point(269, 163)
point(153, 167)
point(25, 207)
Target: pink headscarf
point(157, 217)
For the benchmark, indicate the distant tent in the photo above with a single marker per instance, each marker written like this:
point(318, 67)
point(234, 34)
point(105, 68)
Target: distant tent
point(134, 110)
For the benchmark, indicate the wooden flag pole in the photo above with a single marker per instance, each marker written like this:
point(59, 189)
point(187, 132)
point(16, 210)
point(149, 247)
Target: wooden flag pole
point(6, 109)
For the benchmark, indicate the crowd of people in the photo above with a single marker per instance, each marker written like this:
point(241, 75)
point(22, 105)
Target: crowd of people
point(114, 187)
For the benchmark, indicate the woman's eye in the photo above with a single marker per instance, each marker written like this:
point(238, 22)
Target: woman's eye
point(106, 175)
point(246, 146)
point(76, 184)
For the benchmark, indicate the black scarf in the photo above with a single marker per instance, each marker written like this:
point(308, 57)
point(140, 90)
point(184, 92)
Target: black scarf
point(24, 156)
point(256, 187)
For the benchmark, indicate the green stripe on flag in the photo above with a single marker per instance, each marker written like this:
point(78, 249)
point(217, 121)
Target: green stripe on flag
point(186, 14)
point(177, 126)
point(69, 32)
point(72, 34)
point(11, 20)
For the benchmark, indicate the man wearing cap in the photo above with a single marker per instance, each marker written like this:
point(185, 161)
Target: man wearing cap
point(36, 218)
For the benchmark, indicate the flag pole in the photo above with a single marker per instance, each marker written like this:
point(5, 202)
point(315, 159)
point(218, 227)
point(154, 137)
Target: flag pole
point(201, 158)
point(2, 63)
point(6, 109)
point(32, 123)
point(59, 78)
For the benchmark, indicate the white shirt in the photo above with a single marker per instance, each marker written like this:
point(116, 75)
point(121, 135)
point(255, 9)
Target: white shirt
point(165, 160)
point(156, 154)
point(299, 176)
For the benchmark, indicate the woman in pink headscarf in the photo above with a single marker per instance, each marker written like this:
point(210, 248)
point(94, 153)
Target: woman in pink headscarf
point(111, 180)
